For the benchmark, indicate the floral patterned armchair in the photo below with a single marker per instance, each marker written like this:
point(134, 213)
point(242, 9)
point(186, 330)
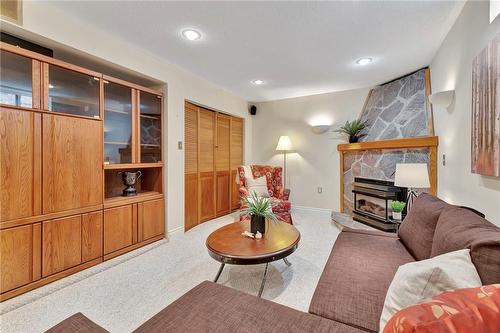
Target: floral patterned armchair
point(277, 194)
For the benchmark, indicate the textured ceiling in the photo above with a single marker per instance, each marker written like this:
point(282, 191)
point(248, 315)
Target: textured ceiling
point(297, 48)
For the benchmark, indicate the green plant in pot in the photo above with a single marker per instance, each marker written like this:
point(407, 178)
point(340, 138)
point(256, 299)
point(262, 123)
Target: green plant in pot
point(353, 129)
point(397, 209)
point(259, 209)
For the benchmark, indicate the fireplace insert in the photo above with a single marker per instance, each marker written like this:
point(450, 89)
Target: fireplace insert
point(372, 202)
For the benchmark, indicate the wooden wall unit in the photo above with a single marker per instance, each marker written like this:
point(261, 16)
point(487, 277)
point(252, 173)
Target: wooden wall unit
point(61, 208)
point(213, 150)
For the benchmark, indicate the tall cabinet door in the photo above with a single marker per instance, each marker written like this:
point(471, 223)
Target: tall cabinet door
point(191, 217)
point(20, 159)
point(222, 164)
point(236, 158)
point(72, 163)
point(206, 166)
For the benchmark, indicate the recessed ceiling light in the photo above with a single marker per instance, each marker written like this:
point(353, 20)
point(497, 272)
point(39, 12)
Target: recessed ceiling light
point(191, 34)
point(364, 61)
point(51, 86)
point(258, 82)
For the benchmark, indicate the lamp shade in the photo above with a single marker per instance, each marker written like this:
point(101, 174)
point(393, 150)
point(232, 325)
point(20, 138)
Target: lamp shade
point(284, 143)
point(413, 175)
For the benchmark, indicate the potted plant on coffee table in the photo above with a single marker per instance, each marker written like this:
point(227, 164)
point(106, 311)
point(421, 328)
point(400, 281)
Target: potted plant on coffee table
point(259, 208)
point(397, 209)
point(353, 129)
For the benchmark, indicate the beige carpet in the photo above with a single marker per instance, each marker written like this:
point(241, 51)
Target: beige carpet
point(123, 293)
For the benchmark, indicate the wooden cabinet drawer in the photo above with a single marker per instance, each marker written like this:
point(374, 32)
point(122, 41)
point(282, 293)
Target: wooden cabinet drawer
point(61, 244)
point(20, 256)
point(120, 227)
point(151, 219)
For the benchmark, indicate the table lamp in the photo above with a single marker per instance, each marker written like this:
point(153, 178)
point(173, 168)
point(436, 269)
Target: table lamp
point(284, 145)
point(411, 175)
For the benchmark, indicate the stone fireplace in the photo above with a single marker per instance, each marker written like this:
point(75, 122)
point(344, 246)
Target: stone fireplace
point(399, 130)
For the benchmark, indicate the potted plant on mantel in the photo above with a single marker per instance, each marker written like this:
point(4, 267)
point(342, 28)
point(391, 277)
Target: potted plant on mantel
point(353, 129)
point(397, 209)
point(259, 209)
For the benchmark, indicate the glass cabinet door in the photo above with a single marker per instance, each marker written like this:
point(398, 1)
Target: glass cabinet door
point(15, 80)
point(73, 92)
point(117, 123)
point(150, 122)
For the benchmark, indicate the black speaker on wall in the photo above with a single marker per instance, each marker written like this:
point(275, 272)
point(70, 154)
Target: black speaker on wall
point(253, 110)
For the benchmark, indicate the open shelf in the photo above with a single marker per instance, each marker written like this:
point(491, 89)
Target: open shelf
point(133, 165)
point(141, 196)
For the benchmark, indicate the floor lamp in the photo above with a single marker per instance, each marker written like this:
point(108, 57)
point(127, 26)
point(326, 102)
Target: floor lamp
point(412, 176)
point(284, 145)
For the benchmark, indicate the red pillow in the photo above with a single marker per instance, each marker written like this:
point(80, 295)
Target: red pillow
point(459, 311)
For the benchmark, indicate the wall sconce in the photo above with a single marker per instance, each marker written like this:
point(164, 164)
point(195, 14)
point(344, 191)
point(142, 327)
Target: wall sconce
point(320, 129)
point(442, 99)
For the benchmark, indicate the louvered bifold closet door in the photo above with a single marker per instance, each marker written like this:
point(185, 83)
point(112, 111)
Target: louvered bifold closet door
point(236, 159)
point(191, 211)
point(206, 166)
point(222, 164)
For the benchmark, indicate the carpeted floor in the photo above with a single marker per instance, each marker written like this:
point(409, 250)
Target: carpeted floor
point(123, 293)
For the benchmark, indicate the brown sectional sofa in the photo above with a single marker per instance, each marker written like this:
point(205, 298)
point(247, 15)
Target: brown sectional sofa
point(350, 294)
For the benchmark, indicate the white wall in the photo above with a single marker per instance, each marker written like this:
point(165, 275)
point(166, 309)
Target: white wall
point(452, 69)
point(315, 161)
point(44, 19)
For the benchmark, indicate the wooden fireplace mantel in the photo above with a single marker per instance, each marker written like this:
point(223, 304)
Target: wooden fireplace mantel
point(420, 142)
point(430, 142)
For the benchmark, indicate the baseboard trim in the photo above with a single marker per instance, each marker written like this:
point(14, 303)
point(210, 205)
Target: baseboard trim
point(175, 233)
point(312, 209)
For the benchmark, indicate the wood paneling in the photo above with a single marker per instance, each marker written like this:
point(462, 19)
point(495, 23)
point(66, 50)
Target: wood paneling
point(151, 219)
point(207, 196)
point(72, 163)
point(119, 228)
point(61, 244)
point(223, 192)
point(16, 257)
point(191, 217)
point(20, 155)
point(92, 235)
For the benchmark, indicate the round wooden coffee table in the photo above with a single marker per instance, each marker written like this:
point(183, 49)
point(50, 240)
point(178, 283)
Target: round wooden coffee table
point(228, 246)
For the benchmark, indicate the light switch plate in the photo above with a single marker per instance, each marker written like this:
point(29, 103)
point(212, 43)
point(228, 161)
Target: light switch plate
point(179, 145)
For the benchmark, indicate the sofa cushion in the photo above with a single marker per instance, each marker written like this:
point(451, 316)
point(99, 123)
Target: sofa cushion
point(460, 228)
point(417, 229)
point(77, 323)
point(458, 311)
point(210, 307)
point(416, 281)
point(356, 277)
